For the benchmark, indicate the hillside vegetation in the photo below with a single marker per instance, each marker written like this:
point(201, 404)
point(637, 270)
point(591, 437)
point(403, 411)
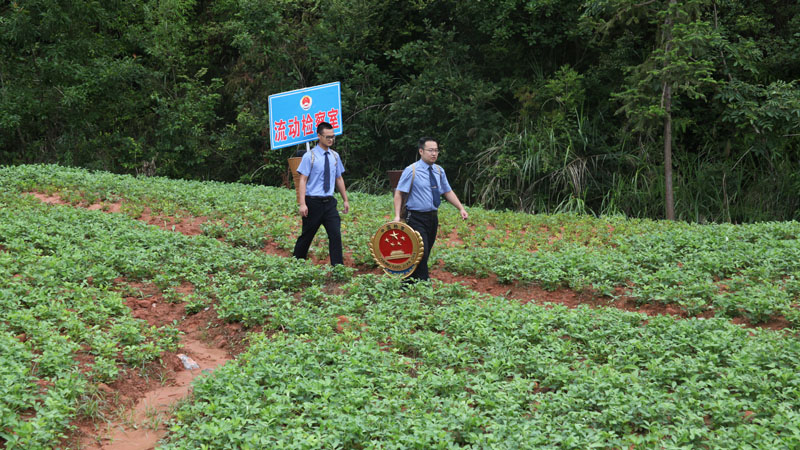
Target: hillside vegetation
point(339, 360)
point(539, 106)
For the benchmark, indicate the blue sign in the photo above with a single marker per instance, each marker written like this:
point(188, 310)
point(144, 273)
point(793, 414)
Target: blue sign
point(294, 115)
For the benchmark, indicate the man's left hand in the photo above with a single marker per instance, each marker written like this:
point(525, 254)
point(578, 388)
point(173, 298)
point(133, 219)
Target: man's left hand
point(346, 207)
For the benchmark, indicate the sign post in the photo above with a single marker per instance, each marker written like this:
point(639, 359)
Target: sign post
point(294, 115)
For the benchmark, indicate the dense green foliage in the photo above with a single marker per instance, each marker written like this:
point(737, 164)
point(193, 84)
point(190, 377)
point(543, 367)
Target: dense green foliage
point(363, 361)
point(540, 106)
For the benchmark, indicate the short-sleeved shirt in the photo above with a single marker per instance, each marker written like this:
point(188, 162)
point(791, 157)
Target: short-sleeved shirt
point(421, 197)
point(315, 175)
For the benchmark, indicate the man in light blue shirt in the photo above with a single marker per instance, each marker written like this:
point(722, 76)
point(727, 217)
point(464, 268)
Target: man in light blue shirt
point(319, 170)
point(424, 182)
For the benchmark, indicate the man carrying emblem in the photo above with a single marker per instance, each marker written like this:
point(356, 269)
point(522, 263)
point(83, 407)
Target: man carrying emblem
point(424, 182)
point(319, 169)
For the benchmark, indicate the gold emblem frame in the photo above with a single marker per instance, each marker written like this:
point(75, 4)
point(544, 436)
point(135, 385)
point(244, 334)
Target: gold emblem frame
point(407, 267)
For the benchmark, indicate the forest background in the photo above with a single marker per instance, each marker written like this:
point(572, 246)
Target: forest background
point(539, 106)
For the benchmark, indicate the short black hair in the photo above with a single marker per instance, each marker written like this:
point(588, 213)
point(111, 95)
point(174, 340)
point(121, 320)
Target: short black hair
point(425, 139)
point(323, 126)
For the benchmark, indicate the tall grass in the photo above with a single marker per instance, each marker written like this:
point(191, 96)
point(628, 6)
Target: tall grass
point(543, 170)
point(376, 183)
point(549, 169)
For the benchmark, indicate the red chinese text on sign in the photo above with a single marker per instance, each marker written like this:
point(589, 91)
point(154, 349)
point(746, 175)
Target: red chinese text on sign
point(308, 125)
point(333, 117)
point(280, 130)
point(319, 117)
point(294, 127)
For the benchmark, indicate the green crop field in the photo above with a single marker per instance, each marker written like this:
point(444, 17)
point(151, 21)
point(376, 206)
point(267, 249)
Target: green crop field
point(341, 358)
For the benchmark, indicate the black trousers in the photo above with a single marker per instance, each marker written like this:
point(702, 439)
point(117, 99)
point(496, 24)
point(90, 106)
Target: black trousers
point(427, 224)
point(321, 211)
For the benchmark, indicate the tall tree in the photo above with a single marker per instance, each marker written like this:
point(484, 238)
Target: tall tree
point(669, 198)
point(680, 62)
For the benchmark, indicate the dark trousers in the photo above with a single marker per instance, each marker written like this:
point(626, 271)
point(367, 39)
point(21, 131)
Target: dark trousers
point(427, 224)
point(321, 211)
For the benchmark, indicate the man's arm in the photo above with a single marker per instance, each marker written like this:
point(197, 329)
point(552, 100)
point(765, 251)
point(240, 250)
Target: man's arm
point(301, 193)
point(398, 200)
point(451, 197)
point(343, 192)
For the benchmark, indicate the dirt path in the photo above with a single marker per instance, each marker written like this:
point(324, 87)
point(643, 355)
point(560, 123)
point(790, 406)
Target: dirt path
point(145, 403)
point(145, 423)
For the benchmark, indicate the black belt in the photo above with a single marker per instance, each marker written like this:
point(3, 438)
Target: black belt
point(426, 213)
point(323, 199)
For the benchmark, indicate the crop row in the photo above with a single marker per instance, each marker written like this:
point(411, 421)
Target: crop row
point(375, 364)
point(738, 271)
point(59, 330)
point(65, 274)
point(752, 271)
point(371, 363)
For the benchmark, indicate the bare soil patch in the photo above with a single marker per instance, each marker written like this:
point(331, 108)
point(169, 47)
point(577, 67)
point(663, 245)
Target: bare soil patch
point(140, 402)
point(187, 224)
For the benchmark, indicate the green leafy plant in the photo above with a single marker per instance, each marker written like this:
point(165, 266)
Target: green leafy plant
point(378, 363)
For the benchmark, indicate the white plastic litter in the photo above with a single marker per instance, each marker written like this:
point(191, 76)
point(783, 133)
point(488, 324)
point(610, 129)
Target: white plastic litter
point(188, 363)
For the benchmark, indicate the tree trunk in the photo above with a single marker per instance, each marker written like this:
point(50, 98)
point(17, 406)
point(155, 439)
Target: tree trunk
point(666, 101)
point(668, 197)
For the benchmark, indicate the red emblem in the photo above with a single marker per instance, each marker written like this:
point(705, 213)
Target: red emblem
point(305, 102)
point(397, 248)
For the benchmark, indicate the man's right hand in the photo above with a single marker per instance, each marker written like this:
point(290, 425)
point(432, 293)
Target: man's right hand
point(304, 210)
point(396, 219)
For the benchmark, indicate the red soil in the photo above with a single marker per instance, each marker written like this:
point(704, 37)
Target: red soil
point(142, 402)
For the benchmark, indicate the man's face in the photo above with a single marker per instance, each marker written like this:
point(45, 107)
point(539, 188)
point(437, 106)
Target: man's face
point(326, 138)
point(430, 152)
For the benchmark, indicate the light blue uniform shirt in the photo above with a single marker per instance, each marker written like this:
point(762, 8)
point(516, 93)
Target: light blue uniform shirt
point(421, 198)
point(315, 175)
